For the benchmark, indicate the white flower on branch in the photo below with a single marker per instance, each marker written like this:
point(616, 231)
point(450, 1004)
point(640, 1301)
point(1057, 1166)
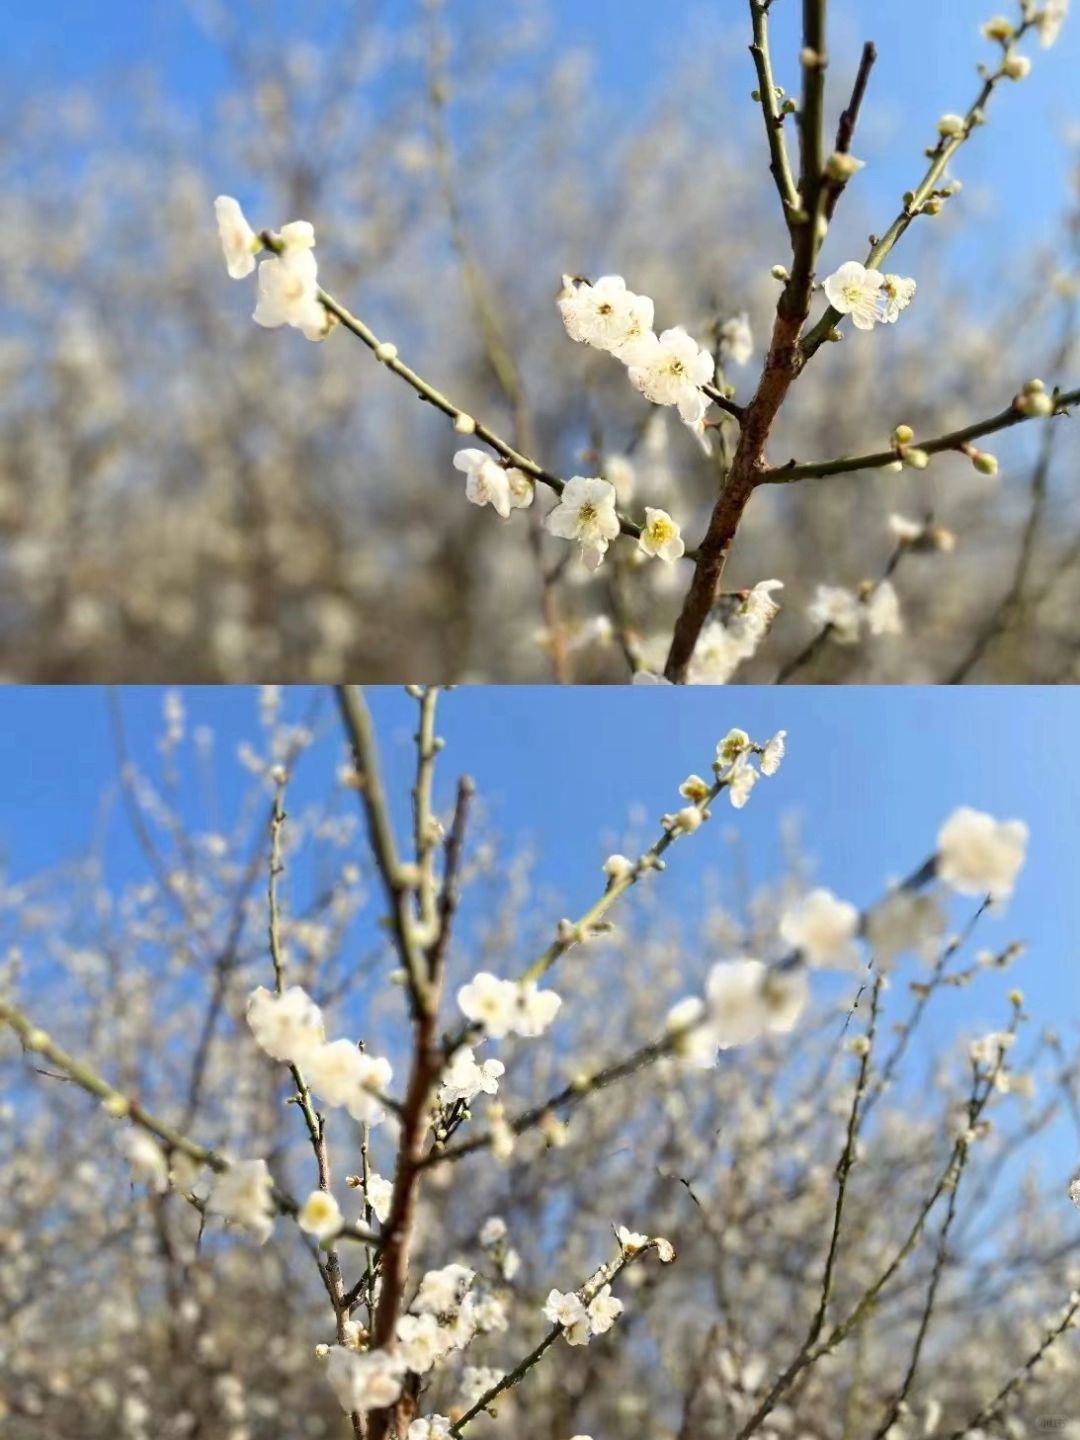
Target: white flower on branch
point(856, 291)
point(737, 340)
point(1049, 21)
point(442, 1291)
point(421, 1342)
point(289, 293)
point(432, 1427)
point(741, 779)
point(506, 1007)
point(320, 1215)
point(773, 753)
point(364, 1381)
point(822, 929)
point(464, 1079)
point(288, 1026)
point(489, 483)
point(978, 855)
point(586, 513)
point(897, 294)
point(342, 1074)
point(660, 536)
point(147, 1160)
point(565, 1309)
point(881, 608)
point(243, 1194)
point(239, 242)
point(379, 1193)
point(604, 1310)
point(670, 369)
point(606, 314)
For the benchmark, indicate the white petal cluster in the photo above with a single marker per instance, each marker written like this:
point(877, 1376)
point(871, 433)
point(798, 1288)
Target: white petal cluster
point(341, 1074)
point(669, 368)
point(734, 763)
point(488, 483)
point(431, 1427)
point(369, 1380)
point(579, 1321)
point(661, 536)
point(737, 340)
point(1049, 20)
point(148, 1162)
point(978, 855)
point(905, 921)
point(320, 1215)
point(288, 287)
point(507, 1007)
point(744, 999)
point(606, 314)
point(464, 1079)
point(239, 242)
point(243, 1194)
point(724, 644)
point(380, 1194)
point(868, 296)
point(822, 929)
point(288, 1026)
point(846, 613)
point(586, 513)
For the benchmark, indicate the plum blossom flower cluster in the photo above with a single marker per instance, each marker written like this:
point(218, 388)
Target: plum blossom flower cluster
point(289, 1028)
point(507, 1007)
point(873, 609)
point(668, 369)
point(868, 296)
point(287, 282)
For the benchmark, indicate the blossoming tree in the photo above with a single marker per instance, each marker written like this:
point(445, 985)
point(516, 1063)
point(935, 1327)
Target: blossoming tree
point(264, 1183)
point(713, 632)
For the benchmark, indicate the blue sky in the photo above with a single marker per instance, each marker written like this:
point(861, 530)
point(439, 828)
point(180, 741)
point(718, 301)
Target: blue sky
point(928, 52)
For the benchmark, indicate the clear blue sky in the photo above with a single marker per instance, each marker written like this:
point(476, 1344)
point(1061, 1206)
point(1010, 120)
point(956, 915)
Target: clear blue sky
point(872, 772)
point(928, 51)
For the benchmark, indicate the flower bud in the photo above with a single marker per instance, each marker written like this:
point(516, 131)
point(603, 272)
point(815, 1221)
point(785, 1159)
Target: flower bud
point(842, 167)
point(950, 125)
point(915, 459)
point(464, 424)
point(985, 463)
point(998, 28)
point(902, 435)
point(1016, 67)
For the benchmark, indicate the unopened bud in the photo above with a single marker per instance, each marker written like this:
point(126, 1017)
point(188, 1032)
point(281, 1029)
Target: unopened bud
point(902, 435)
point(950, 125)
point(984, 463)
point(841, 167)
point(1016, 67)
point(915, 459)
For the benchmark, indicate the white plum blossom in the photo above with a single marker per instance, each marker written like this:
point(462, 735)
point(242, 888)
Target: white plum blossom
point(744, 999)
point(464, 1079)
point(773, 752)
point(586, 513)
point(906, 920)
point(421, 1342)
point(380, 1194)
point(741, 779)
point(342, 1074)
point(737, 340)
point(735, 743)
point(670, 369)
point(489, 483)
point(660, 536)
point(149, 1165)
point(897, 294)
point(288, 1026)
point(631, 1241)
point(477, 1380)
point(1049, 20)
point(978, 855)
point(288, 294)
point(856, 291)
point(565, 1309)
point(882, 610)
point(431, 1427)
point(839, 609)
point(362, 1381)
point(243, 1194)
point(606, 314)
point(822, 929)
point(442, 1291)
point(320, 1215)
point(604, 1310)
point(493, 1231)
point(505, 1007)
point(239, 242)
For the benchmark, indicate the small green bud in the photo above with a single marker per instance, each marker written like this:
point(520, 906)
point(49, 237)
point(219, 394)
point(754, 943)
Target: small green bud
point(984, 463)
point(842, 167)
point(915, 459)
point(902, 435)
